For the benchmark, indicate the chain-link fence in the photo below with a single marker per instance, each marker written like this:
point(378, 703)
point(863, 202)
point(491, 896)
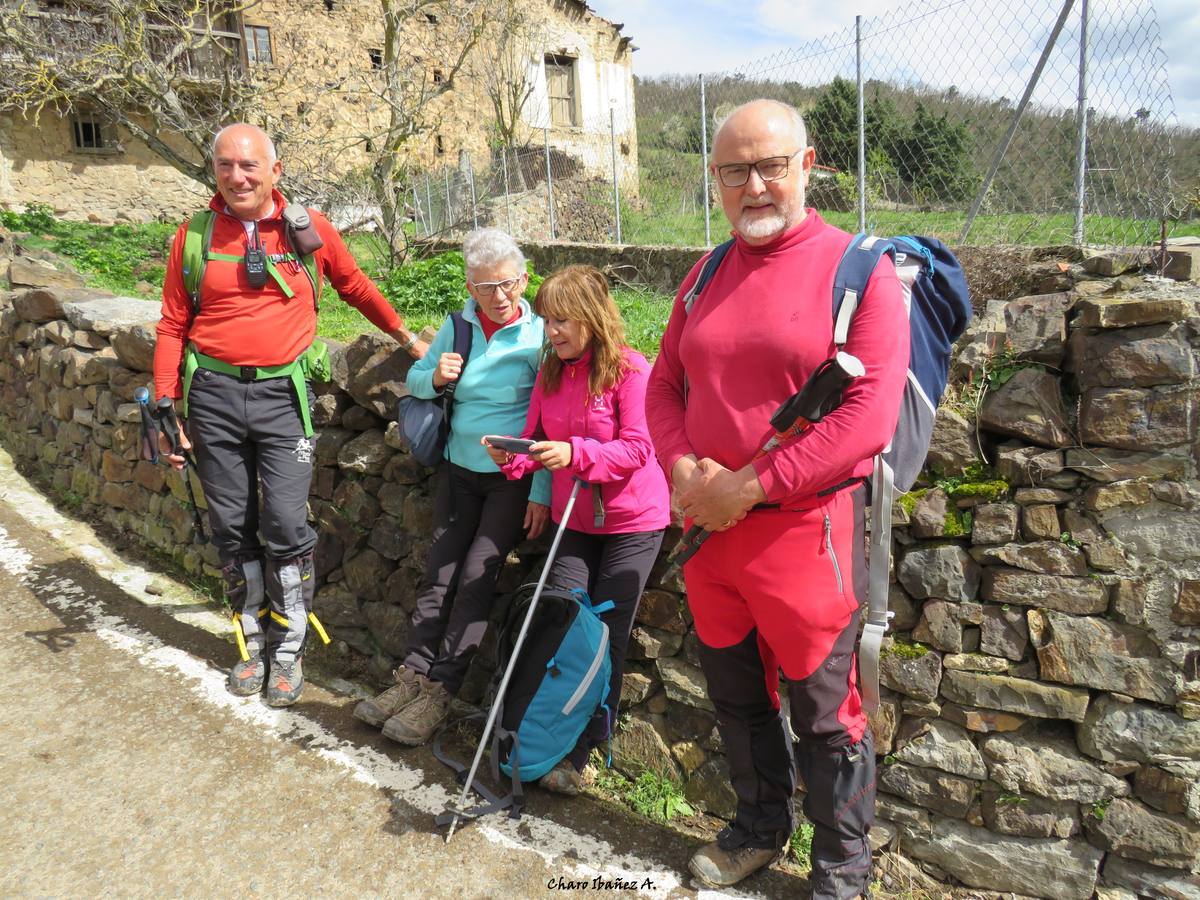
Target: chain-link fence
point(1015, 121)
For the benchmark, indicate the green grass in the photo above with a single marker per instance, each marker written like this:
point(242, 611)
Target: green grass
point(658, 798)
point(800, 845)
point(115, 258)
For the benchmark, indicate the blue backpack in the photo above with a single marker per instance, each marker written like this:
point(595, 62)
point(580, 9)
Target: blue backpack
point(559, 681)
point(939, 310)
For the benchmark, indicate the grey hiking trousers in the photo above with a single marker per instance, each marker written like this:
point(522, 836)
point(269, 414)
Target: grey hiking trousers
point(256, 466)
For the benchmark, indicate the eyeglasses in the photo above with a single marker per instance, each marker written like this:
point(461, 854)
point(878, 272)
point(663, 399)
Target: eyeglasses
point(488, 288)
point(772, 168)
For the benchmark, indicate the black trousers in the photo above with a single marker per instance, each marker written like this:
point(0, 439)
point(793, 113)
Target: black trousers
point(459, 584)
point(610, 567)
point(255, 465)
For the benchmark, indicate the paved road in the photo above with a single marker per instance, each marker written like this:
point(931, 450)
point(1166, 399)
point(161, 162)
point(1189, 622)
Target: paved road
point(128, 770)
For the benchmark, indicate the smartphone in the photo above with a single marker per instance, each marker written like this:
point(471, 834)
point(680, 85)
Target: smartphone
point(512, 445)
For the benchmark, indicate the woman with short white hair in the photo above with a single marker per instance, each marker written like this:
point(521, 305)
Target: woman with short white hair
point(478, 513)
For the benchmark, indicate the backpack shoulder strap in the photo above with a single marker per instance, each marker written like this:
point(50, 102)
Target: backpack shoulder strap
point(850, 281)
point(464, 336)
point(196, 242)
point(313, 271)
point(711, 264)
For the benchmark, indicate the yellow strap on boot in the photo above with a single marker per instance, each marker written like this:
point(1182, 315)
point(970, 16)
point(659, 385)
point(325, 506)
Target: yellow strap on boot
point(241, 637)
point(282, 620)
point(312, 617)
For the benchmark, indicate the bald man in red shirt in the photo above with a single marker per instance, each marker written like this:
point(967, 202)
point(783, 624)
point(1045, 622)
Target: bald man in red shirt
point(779, 584)
point(229, 354)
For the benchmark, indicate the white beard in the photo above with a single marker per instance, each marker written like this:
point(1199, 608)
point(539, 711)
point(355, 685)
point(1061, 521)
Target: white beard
point(759, 228)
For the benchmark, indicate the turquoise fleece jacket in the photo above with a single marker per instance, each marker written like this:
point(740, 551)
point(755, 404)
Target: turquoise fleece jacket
point(493, 392)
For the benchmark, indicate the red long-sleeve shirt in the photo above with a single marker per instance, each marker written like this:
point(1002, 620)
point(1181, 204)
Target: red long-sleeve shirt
point(756, 332)
point(247, 326)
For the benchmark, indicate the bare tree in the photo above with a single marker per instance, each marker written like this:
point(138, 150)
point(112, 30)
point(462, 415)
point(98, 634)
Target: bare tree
point(167, 72)
point(426, 45)
point(518, 34)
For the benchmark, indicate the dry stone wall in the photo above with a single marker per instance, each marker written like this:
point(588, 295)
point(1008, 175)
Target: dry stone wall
point(1040, 726)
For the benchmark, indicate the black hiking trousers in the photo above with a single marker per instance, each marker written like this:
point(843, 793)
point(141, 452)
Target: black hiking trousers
point(255, 466)
point(459, 585)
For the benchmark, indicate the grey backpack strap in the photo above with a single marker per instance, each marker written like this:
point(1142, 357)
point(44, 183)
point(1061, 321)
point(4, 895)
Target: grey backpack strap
point(877, 603)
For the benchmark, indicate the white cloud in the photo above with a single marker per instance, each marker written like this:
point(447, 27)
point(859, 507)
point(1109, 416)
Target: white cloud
point(976, 45)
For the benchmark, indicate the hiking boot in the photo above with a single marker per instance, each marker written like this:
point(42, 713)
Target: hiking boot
point(377, 711)
point(415, 724)
point(286, 682)
point(246, 677)
point(564, 778)
point(714, 865)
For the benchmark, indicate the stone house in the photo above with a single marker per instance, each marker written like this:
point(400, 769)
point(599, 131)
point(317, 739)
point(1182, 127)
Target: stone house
point(576, 68)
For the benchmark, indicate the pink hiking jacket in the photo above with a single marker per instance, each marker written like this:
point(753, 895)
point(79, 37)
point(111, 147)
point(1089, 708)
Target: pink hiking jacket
point(610, 450)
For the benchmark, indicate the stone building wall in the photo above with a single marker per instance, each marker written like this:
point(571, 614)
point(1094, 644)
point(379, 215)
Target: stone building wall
point(1040, 726)
point(329, 109)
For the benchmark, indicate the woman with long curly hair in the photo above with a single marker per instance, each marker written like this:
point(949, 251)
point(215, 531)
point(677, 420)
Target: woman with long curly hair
point(588, 417)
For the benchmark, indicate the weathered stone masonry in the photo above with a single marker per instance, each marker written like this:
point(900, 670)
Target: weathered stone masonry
point(1040, 726)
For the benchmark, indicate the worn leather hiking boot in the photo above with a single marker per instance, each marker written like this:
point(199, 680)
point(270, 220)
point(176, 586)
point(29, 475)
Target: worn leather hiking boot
point(564, 778)
point(378, 710)
point(286, 682)
point(714, 865)
point(247, 676)
point(415, 724)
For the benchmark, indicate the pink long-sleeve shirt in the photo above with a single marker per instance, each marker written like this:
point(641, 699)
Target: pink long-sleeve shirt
point(610, 449)
point(755, 333)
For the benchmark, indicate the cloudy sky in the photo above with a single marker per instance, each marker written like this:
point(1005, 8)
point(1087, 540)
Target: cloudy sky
point(983, 47)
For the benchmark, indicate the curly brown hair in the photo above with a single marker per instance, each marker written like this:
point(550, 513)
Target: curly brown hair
point(581, 293)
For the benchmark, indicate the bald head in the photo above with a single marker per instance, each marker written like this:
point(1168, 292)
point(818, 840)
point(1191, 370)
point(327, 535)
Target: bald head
point(245, 131)
point(247, 170)
point(761, 159)
point(779, 114)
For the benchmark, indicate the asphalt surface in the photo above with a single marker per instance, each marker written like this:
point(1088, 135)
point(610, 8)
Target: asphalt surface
point(128, 770)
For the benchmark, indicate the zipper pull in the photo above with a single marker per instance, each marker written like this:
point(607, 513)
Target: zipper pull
point(828, 535)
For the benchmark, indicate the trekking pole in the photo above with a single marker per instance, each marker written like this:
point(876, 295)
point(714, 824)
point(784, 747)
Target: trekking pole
point(460, 808)
point(149, 435)
point(820, 395)
point(164, 413)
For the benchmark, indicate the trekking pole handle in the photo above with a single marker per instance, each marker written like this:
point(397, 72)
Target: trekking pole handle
point(165, 413)
point(149, 436)
point(513, 657)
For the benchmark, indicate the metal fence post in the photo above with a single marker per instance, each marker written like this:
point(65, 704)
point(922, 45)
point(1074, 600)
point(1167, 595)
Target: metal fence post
point(428, 204)
point(471, 182)
point(549, 185)
point(998, 157)
point(612, 137)
point(507, 198)
point(417, 208)
point(1082, 117)
point(862, 128)
point(446, 221)
point(704, 165)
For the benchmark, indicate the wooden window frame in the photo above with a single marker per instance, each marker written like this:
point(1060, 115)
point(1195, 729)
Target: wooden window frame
point(570, 101)
point(250, 43)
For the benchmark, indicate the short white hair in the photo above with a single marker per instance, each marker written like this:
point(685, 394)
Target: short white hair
point(486, 248)
point(794, 118)
point(271, 157)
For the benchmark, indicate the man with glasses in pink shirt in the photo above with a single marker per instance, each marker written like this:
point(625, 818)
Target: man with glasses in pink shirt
point(779, 584)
